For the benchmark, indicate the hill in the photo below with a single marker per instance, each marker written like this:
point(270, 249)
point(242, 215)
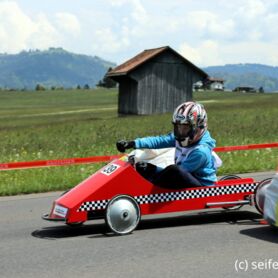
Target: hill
point(253, 75)
point(52, 67)
point(60, 68)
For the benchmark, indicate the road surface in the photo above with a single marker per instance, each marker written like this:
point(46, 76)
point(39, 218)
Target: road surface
point(212, 243)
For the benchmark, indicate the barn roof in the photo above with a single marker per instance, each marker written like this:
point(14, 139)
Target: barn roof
point(145, 56)
point(215, 79)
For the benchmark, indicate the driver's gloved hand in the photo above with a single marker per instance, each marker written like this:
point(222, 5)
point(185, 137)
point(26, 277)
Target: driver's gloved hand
point(123, 145)
point(147, 170)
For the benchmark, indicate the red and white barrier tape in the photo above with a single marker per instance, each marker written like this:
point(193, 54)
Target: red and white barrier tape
point(95, 159)
point(246, 147)
point(56, 162)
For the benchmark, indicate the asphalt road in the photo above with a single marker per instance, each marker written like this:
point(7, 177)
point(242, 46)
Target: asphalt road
point(212, 243)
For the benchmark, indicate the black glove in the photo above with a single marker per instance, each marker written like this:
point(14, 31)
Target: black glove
point(147, 170)
point(124, 145)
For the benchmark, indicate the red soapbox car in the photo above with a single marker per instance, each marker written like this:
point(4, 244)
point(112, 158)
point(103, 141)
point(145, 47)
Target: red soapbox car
point(120, 195)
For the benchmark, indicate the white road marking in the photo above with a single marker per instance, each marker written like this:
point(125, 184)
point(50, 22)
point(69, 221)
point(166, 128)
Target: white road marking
point(58, 113)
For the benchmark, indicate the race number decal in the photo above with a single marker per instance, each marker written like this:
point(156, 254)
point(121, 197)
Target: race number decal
point(111, 168)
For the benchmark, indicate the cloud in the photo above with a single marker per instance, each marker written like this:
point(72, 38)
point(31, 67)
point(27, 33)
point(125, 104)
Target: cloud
point(243, 32)
point(43, 35)
point(15, 27)
point(207, 53)
point(271, 26)
point(139, 13)
point(211, 53)
point(250, 52)
point(19, 31)
point(207, 33)
point(208, 24)
point(67, 23)
point(190, 53)
point(118, 2)
point(254, 20)
point(129, 24)
point(137, 10)
point(106, 41)
point(251, 9)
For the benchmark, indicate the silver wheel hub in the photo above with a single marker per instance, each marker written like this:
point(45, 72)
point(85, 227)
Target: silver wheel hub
point(122, 214)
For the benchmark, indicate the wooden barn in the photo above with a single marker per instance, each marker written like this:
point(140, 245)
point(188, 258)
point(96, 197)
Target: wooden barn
point(155, 81)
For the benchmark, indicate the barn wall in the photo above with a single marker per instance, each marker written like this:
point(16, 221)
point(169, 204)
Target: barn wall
point(163, 83)
point(127, 103)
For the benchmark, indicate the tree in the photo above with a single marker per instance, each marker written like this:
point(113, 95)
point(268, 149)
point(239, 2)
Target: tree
point(261, 90)
point(86, 87)
point(107, 82)
point(100, 83)
point(39, 87)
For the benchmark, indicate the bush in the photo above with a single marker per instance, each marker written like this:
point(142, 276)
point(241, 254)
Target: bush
point(39, 87)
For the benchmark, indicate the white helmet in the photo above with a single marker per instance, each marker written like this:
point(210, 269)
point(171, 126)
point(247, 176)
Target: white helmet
point(190, 123)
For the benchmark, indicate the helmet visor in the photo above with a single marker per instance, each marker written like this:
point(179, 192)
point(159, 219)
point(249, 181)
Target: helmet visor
point(181, 131)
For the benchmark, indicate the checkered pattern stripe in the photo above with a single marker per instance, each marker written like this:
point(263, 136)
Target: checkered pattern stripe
point(94, 205)
point(175, 196)
point(194, 194)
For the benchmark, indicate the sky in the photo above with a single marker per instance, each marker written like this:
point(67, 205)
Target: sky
point(207, 33)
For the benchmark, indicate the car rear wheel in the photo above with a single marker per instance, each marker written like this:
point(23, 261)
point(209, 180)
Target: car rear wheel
point(122, 214)
point(259, 194)
point(231, 177)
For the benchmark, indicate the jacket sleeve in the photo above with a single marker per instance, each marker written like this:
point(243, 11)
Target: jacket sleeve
point(155, 142)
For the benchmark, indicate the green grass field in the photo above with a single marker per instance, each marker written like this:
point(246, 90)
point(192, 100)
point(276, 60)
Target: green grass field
point(80, 123)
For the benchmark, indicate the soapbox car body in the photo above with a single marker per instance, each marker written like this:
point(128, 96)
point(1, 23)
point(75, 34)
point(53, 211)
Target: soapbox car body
point(120, 195)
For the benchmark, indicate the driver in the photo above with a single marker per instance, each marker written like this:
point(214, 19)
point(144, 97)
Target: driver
point(195, 161)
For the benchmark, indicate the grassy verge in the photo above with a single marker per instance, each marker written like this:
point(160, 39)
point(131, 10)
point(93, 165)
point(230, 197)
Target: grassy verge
point(61, 124)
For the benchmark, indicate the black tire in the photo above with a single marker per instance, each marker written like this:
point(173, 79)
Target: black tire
point(231, 177)
point(258, 199)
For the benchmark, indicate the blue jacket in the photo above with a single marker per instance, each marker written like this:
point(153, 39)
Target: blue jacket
point(199, 162)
